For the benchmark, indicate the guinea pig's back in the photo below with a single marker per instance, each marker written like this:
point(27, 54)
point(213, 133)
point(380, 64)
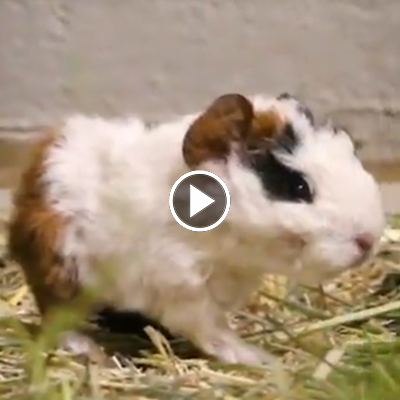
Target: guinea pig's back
point(77, 163)
point(112, 178)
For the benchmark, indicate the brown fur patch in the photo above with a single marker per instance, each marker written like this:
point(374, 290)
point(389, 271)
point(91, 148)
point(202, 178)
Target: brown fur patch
point(33, 232)
point(265, 127)
point(210, 135)
point(230, 122)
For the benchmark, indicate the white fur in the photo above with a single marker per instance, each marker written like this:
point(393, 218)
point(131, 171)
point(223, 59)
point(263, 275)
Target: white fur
point(113, 178)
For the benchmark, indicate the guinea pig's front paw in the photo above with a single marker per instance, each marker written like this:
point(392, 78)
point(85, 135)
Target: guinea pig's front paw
point(81, 345)
point(233, 350)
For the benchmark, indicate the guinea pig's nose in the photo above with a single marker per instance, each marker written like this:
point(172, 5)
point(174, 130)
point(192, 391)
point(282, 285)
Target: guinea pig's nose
point(364, 242)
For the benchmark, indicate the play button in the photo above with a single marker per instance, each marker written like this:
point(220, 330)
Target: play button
point(199, 201)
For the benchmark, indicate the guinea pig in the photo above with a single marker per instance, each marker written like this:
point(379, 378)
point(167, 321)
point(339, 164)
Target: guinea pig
point(91, 212)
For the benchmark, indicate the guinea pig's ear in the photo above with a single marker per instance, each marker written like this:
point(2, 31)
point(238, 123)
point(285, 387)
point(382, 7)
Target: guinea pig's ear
point(230, 124)
point(214, 133)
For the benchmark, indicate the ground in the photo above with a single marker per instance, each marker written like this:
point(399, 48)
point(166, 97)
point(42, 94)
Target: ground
point(335, 342)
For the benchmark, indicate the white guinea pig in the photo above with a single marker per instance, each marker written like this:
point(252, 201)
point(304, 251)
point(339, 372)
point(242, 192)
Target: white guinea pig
point(92, 209)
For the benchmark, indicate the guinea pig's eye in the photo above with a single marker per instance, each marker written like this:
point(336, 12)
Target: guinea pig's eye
point(290, 185)
point(301, 190)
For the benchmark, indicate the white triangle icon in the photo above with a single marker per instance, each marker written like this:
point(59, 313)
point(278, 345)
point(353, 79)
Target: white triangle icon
point(198, 201)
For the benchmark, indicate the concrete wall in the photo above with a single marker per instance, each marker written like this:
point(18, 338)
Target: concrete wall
point(158, 57)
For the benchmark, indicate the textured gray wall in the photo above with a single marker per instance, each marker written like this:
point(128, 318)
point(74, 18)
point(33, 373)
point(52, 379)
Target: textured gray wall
point(158, 57)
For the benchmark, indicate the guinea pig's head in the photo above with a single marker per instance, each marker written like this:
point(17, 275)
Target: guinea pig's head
point(292, 183)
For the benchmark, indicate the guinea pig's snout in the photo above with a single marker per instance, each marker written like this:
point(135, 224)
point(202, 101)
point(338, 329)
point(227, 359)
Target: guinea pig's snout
point(364, 242)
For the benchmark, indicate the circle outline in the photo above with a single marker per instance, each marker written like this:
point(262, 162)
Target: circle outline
point(221, 218)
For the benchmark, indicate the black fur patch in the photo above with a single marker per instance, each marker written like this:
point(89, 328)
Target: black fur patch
point(279, 181)
point(287, 140)
point(303, 109)
point(286, 96)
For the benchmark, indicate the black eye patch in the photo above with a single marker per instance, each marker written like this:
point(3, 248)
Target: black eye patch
point(279, 181)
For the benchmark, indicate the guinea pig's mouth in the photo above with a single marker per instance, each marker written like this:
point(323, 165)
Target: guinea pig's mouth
point(314, 270)
point(361, 260)
point(357, 263)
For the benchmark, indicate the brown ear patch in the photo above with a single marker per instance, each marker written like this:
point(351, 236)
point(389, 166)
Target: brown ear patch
point(209, 137)
point(229, 122)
